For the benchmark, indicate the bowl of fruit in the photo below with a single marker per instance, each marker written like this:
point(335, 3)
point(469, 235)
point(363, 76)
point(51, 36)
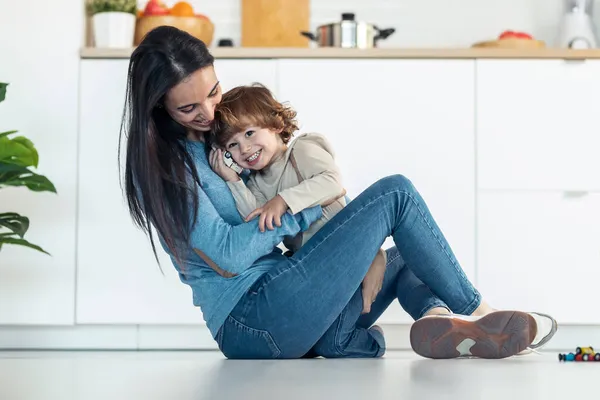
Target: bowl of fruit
point(181, 15)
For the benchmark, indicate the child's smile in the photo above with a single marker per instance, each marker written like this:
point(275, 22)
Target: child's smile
point(254, 158)
point(255, 148)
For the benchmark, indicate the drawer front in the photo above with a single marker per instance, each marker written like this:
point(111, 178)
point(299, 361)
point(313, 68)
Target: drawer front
point(538, 124)
point(540, 252)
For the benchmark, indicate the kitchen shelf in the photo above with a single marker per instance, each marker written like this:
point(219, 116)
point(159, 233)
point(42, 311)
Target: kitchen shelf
point(416, 53)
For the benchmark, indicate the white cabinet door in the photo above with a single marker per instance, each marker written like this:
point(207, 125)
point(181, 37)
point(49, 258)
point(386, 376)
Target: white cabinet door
point(538, 124)
point(539, 252)
point(118, 280)
point(410, 117)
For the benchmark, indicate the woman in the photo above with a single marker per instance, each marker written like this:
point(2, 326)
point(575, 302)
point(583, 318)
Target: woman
point(323, 300)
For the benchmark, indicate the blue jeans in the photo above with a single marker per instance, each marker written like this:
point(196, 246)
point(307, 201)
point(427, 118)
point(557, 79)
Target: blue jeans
point(311, 304)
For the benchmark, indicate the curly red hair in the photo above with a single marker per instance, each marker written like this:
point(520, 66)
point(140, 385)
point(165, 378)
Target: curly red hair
point(253, 105)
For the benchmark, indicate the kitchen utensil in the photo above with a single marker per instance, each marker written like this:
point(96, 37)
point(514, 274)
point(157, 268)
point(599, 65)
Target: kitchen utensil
point(349, 33)
point(274, 23)
point(576, 30)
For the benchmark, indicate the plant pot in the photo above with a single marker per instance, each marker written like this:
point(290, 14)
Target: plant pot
point(114, 29)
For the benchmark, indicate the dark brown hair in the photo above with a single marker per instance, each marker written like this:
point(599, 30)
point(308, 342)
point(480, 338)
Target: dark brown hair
point(160, 176)
point(253, 105)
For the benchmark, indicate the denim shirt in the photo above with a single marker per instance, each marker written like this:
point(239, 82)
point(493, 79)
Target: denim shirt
point(232, 244)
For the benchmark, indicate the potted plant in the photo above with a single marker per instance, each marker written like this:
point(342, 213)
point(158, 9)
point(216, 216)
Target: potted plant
point(113, 22)
point(17, 156)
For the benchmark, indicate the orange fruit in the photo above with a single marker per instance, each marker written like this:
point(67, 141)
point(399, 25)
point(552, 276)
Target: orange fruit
point(182, 9)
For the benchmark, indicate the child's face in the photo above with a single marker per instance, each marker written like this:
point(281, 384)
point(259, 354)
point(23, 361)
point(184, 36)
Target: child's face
point(255, 148)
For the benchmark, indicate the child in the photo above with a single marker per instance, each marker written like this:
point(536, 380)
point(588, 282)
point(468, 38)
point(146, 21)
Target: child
point(256, 131)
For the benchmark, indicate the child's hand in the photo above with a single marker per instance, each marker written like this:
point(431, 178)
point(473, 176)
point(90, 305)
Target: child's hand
point(271, 211)
point(216, 163)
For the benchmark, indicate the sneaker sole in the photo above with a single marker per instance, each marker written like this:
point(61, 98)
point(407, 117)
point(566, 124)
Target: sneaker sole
point(500, 334)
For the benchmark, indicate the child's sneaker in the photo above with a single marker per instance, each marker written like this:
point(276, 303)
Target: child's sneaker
point(496, 335)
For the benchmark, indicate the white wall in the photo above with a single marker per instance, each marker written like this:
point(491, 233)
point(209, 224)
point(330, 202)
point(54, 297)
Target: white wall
point(39, 58)
point(430, 23)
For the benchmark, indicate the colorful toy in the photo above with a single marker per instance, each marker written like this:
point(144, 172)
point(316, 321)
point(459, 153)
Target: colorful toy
point(585, 350)
point(581, 354)
point(566, 357)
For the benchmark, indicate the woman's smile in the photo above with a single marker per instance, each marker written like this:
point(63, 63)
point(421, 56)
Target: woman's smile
point(202, 122)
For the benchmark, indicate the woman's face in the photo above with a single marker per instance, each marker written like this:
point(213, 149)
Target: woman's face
point(192, 102)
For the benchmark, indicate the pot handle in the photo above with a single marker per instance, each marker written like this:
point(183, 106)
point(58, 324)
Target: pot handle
point(309, 35)
point(384, 33)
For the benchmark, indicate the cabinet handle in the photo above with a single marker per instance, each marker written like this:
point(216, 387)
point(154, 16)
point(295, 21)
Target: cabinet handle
point(573, 194)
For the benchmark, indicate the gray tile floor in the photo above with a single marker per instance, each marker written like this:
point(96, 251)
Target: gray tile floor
point(206, 375)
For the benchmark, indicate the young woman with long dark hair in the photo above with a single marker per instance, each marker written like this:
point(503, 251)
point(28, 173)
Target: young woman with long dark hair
point(324, 299)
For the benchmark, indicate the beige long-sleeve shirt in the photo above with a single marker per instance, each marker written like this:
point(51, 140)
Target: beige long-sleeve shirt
point(320, 180)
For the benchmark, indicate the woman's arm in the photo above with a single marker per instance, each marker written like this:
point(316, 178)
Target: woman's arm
point(235, 248)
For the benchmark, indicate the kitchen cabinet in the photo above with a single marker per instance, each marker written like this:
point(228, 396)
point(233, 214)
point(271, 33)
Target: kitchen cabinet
point(538, 251)
point(118, 280)
point(505, 152)
point(410, 117)
point(538, 182)
point(537, 124)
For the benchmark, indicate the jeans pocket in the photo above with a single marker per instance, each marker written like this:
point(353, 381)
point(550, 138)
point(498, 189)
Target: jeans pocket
point(239, 341)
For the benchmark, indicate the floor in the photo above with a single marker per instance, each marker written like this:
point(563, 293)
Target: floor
point(207, 375)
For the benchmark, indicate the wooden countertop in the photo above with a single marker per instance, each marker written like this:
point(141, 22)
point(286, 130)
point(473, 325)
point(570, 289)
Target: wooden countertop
point(441, 53)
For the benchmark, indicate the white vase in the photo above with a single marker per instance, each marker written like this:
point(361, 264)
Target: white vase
point(114, 29)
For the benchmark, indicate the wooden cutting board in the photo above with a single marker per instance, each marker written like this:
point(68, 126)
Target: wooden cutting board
point(275, 23)
point(512, 44)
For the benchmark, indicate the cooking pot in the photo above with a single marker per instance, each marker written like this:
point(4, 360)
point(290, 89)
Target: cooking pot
point(349, 34)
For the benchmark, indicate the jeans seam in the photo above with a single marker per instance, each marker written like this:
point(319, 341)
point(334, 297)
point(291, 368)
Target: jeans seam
point(472, 306)
point(268, 338)
point(346, 221)
point(219, 337)
point(336, 343)
point(389, 261)
point(377, 336)
point(296, 263)
point(437, 238)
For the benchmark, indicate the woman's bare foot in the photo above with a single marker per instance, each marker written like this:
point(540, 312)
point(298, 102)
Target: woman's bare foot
point(437, 311)
point(483, 309)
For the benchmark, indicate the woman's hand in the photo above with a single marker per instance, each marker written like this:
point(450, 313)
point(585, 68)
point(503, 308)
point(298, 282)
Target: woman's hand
point(371, 284)
point(215, 159)
point(269, 213)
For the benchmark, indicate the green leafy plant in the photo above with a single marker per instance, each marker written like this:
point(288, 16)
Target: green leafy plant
point(17, 156)
point(99, 6)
